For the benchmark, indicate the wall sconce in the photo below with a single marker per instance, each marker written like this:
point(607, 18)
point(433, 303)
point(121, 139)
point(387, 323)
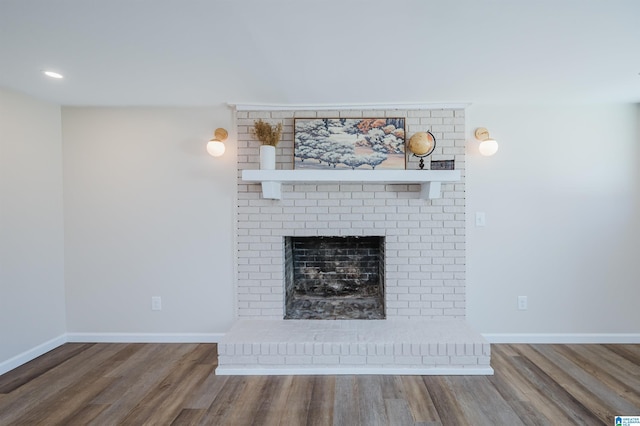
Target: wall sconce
point(487, 145)
point(215, 147)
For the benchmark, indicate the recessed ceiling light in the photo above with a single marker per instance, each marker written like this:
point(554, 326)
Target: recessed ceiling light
point(52, 74)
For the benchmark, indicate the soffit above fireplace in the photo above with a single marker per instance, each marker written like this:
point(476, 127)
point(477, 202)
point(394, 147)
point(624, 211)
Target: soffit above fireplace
point(349, 107)
point(430, 180)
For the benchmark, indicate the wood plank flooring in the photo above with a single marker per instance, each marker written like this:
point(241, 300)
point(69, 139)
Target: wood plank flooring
point(175, 384)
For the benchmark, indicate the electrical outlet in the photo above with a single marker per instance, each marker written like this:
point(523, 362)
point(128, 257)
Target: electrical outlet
point(481, 219)
point(523, 304)
point(156, 303)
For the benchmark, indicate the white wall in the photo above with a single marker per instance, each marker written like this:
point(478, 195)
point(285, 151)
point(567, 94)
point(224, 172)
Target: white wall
point(32, 303)
point(562, 203)
point(148, 213)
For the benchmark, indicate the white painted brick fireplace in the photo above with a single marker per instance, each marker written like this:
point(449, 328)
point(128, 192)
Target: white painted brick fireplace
point(425, 263)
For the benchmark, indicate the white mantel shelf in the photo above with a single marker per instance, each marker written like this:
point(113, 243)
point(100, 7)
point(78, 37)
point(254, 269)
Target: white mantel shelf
point(430, 180)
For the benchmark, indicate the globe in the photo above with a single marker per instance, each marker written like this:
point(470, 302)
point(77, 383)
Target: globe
point(422, 144)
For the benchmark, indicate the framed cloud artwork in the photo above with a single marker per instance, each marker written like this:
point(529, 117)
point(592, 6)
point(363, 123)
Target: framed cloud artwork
point(349, 143)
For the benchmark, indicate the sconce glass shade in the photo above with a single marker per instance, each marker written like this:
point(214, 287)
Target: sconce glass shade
point(215, 148)
point(488, 147)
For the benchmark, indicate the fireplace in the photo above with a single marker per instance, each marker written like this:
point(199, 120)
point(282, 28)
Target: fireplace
point(334, 277)
point(424, 240)
point(419, 292)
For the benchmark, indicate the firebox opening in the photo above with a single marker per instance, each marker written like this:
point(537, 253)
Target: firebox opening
point(334, 277)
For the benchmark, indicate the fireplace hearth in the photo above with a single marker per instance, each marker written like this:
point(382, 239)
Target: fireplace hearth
point(334, 277)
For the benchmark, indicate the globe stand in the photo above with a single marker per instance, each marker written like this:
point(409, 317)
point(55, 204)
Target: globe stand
point(421, 163)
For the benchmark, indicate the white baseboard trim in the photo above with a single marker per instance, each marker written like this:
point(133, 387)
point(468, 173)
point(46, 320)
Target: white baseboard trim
point(144, 337)
point(32, 354)
point(334, 371)
point(45, 347)
point(526, 338)
point(563, 338)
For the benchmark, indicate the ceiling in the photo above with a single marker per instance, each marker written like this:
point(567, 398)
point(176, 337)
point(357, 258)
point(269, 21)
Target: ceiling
point(207, 52)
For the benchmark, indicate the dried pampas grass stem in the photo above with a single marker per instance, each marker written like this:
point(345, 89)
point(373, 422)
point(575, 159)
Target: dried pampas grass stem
point(266, 133)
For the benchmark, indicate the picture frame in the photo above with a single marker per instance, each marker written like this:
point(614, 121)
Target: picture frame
point(442, 164)
point(349, 143)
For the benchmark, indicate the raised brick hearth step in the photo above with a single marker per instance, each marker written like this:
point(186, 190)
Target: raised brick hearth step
point(411, 347)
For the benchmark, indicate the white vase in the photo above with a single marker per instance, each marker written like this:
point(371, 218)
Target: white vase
point(267, 157)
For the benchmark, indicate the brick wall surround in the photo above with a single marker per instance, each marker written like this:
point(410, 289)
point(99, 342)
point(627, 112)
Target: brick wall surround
point(425, 239)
